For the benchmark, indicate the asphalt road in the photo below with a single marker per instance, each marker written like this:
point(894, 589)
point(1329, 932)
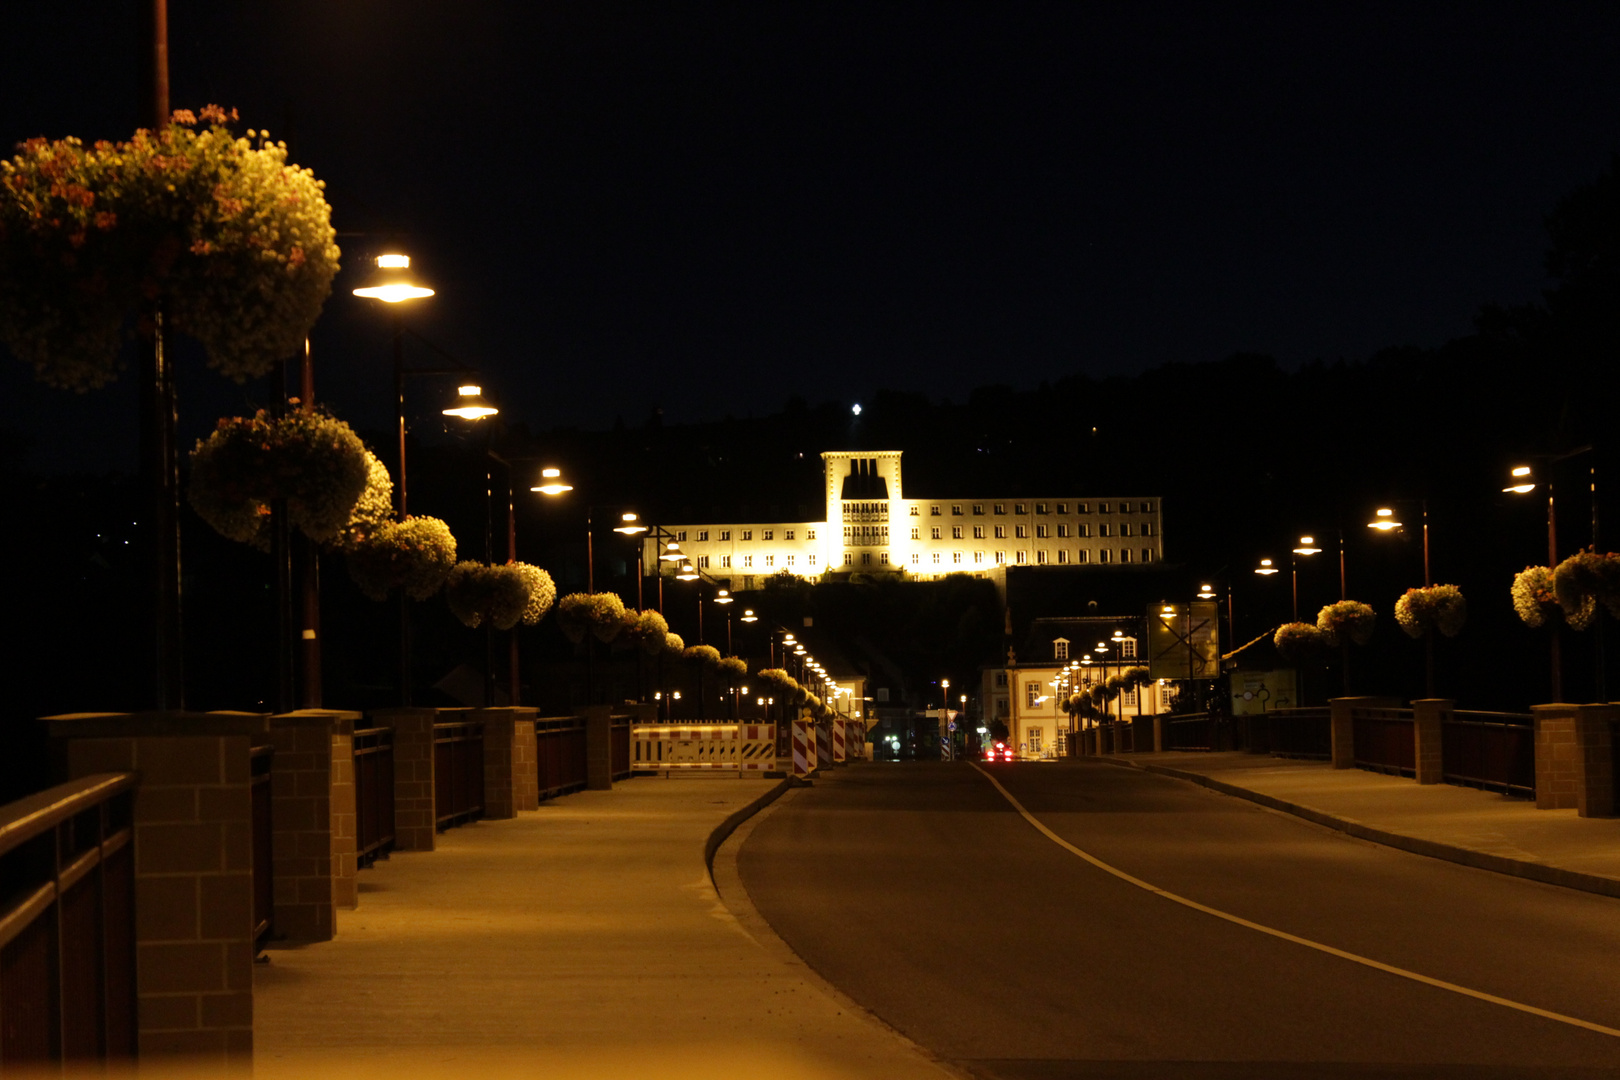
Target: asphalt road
point(921, 893)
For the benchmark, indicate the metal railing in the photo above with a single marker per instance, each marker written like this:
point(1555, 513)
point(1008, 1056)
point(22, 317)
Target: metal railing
point(373, 794)
point(1189, 731)
point(1299, 733)
point(559, 744)
point(458, 772)
point(67, 923)
point(1490, 750)
point(261, 759)
point(619, 747)
point(1385, 740)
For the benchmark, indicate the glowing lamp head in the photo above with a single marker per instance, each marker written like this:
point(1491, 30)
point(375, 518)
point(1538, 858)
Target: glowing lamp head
point(688, 572)
point(856, 409)
point(1384, 520)
point(749, 616)
point(671, 553)
point(1265, 567)
point(470, 404)
point(724, 597)
point(391, 281)
point(1521, 474)
point(630, 524)
point(551, 483)
point(1307, 546)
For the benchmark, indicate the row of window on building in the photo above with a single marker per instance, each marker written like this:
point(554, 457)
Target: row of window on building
point(1021, 532)
point(1043, 557)
point(743, 534)
point(1040, 508)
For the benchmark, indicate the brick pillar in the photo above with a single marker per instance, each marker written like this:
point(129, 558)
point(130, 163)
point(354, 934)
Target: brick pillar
point(193, 872)
point(312, 796)
point(1428, 716)
point(1158, 734)
point(511, 779)
point(1594, 735)
point(598, 748)
point(1558, 772)
point(415, 819)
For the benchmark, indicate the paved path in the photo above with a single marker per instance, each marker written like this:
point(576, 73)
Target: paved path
point(1198, 937)
point(1476, 828)
point(584, 939)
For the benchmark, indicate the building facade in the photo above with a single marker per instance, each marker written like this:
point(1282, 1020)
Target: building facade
point(871, 526)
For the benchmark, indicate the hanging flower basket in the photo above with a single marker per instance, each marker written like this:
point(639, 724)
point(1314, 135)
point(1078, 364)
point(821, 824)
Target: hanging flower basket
point(1139, 676)
point(231, 243)
point(1347, 619)
point(542, 592)
point(646, 630)
point(415, 555)
point(1535, 601)
point(1438, 607)
point(1300, 641)
point(503, 595)
point(599, 614)
point(374, 509)
point(674, 644)
point(707, 655)
point(734, 669)
point(315, 462)
point(1588, 576)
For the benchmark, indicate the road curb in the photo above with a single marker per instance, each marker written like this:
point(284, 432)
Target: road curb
point(737, 817)
point(1482, 860)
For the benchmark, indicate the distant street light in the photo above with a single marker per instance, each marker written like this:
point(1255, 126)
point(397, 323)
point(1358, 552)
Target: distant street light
point(1384, 521)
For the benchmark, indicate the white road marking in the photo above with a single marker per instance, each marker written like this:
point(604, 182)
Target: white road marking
point(1378, 965)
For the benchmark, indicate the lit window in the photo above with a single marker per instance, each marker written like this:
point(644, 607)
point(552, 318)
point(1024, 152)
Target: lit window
point(725, 562)
point(788, 535)
point(811, 559)
point(1063, 530)
point(1040, 531)
point(1001, 532)
point(1032, 694)
point(725, 534)
point(809, 534)
point(956, 557)
point(1034, 735)
point(978, 556)
point(1082, 530)
point(933, 511)
point(768, 534)
point(748, 560)
point(884, 558)
point(1060, 649)
point(914, 511)
point(1124, 528)
point(849, 558)
point(1063, 556)
point(703, 562)
point(1022, 557)
point(1020, 531)
point(935, 532)
point(936, 558)
point(748, 534)
point(915, 559)
point(914, 533)
point(1040, 557)
point(681, 536)
point(1127, 649)
point(1001, 557)
point(1105, 529)
point(978, 508)
point(703, 534)
point(978, 532)
point(956, 532)
point(790, 560)
point(847, 529)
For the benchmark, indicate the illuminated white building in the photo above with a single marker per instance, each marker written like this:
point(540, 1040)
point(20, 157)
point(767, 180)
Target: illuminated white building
point(870, 526)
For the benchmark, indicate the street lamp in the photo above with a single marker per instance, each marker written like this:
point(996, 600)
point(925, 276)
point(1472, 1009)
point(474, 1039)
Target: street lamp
point(1384, 521)
point(1523, 481)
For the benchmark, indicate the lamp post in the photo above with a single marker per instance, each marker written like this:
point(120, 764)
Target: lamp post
point(471, 406)
point(1522, 482)
point(1384, 521)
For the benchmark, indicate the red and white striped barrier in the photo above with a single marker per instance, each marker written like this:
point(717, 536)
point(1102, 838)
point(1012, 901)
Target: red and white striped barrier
point(839, 754)
point(824, 750)
point(804, 749)
point(665, 747)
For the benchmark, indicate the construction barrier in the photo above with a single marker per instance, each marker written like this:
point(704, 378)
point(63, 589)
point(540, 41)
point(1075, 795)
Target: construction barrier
point(804, 749)
point(824, 750)
point(681, 747)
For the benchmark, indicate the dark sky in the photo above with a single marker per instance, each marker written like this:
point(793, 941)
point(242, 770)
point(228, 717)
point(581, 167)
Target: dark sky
point(712, 207)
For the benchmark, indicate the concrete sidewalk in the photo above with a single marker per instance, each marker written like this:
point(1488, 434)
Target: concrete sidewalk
point(1463, 825)
point(581, 940)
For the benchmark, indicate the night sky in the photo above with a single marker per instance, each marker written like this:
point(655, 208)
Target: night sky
point(709, 208)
